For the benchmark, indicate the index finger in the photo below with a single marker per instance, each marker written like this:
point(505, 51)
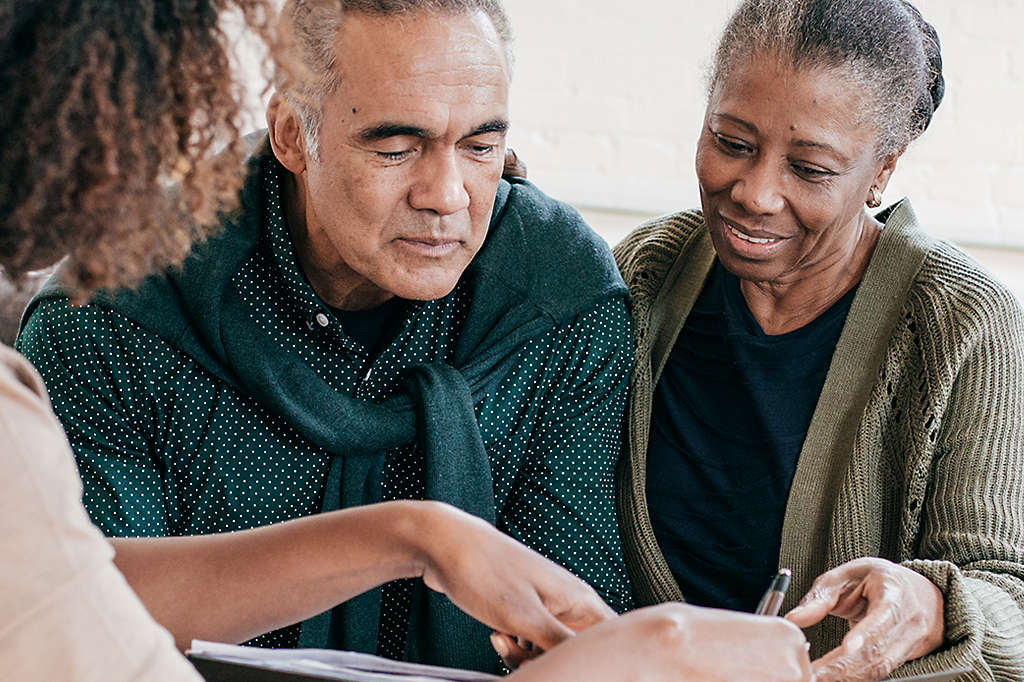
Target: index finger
point(822, 598)
point(581, 614)
point(826, 593)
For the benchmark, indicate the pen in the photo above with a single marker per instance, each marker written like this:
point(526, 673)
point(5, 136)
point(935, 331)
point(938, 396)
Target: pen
point(771, 602)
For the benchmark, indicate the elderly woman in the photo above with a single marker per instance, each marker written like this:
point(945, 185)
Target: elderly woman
point(820, 386)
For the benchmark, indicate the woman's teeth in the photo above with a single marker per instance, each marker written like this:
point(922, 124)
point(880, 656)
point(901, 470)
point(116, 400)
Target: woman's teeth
point(748, 238)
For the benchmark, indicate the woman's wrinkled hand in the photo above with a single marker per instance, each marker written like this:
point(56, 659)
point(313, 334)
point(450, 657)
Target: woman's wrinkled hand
point(504, 584)
point(895, 615)
point(678, 642)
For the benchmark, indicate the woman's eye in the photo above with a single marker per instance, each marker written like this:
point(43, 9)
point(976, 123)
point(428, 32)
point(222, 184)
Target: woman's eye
point(811, 172)
point(731, 145)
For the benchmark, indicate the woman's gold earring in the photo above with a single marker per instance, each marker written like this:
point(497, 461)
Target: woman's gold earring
point(875, 200)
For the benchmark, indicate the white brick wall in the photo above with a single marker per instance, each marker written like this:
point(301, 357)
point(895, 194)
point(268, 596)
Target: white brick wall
point(608, 99)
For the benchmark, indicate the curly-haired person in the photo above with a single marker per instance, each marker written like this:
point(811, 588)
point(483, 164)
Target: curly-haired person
point(104, 103)
point(113, 102)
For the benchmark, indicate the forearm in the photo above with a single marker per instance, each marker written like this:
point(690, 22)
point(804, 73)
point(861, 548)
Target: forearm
point(970, 544)
point(234, 586)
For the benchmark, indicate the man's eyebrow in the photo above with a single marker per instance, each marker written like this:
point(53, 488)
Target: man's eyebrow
point(383, 131)
point(498, 125)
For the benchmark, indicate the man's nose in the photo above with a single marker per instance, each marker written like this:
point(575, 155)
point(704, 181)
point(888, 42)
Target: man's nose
point(759, 189)
point(440, 185)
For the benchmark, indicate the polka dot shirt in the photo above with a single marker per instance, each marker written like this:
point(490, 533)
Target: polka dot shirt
point(165, 448)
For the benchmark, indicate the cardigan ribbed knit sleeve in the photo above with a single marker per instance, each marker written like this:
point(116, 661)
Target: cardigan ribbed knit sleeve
point(972, 528)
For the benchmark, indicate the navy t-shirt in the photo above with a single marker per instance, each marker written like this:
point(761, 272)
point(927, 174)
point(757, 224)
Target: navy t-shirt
point(373, 327)
point(730, 414)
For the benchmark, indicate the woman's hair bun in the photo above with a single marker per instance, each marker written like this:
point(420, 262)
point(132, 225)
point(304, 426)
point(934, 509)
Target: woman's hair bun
point(936, 84)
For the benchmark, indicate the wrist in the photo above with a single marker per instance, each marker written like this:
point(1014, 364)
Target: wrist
point(930, 577)
point(937, 631)
point(414, 529)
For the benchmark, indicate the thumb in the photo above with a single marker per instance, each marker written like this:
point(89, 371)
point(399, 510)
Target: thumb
point(508, 648)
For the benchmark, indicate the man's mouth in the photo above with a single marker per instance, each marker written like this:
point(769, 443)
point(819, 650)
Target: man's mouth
point(430, 246)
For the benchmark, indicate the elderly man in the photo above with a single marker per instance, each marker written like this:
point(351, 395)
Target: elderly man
point(384, 318)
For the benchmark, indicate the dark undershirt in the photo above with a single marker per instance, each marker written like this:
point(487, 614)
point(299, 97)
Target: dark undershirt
point(372, 327)
point(730, 414)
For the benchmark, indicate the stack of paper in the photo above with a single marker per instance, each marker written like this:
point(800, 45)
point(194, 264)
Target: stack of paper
point(322, 664)
point(227, 662)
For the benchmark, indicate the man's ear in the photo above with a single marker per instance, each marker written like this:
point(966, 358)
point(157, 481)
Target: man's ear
point(286, 138)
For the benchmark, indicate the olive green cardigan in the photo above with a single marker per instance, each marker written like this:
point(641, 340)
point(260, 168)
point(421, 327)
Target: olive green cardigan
point(915, 452)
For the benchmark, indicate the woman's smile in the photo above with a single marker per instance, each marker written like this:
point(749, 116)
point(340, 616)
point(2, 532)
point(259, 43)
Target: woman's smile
point(747, 243)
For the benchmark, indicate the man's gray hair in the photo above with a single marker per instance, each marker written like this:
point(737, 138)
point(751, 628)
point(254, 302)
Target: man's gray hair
point(313, 26)
point(884, 47)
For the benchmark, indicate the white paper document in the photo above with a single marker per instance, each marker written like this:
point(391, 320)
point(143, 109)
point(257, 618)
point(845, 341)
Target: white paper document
point(354, 667)
point(332, 665)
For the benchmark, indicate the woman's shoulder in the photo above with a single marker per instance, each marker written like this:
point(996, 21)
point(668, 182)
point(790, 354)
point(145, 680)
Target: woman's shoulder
point(649, 250)
point(956, 274)
point(18, 377)
point(960, 297)
point(948, 292)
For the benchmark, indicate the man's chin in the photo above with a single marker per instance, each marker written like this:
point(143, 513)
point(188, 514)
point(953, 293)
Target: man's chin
point(425, 289)
point(418, 279)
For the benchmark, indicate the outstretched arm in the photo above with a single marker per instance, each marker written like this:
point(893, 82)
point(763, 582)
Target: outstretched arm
point(234, 586)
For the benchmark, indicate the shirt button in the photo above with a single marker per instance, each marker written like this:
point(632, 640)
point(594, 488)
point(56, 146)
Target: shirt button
point(322, 320)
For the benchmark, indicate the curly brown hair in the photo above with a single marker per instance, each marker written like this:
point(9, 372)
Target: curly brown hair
point(106, 105)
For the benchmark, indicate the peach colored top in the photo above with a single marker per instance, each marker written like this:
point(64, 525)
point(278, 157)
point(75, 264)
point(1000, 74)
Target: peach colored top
point(66, 613)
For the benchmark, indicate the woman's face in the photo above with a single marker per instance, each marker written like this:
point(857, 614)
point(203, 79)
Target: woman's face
point(785, 164)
